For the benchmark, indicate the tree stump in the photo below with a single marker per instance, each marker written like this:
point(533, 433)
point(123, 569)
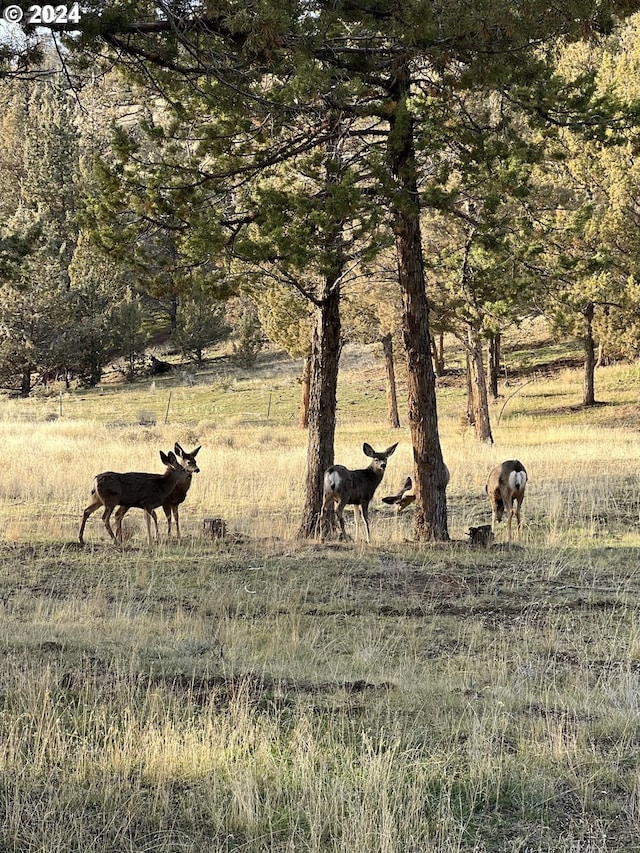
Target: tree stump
point(481, 536)
point(214, 528)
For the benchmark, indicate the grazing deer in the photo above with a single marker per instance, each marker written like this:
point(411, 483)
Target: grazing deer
point(356, 488)
point(147, 491)
point(177, 496)
point(505, 488)
point(401, 499)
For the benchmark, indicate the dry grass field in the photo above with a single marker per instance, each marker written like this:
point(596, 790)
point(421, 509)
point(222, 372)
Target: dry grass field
point(262, 694)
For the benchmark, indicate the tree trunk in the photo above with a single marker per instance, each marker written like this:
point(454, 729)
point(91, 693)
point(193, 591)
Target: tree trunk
point(173, 313)
point(430, 472)
point(306, 390)
point(589, 398)
point(392, 397)
point(437, 354)
point(25, 383)
point(471, 415)
point(440, 354)
point(95, 374)
point(325, 356)
point(478, 384)
point(601, 356)
point(494, 364)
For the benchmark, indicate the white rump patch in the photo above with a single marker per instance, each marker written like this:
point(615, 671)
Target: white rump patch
point(517, 480)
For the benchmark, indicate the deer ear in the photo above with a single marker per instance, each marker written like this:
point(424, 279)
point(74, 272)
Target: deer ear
point(195, 452)
point(368, 450)
point(179, 451)
point(164, 458)
point(172, 458)
point(391, 449)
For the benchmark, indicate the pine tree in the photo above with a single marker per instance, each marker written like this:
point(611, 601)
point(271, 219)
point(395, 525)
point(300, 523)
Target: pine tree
point(200, 322)
point(593, 249)
point(369, 63)
point(287, 319)
point(89, 338)
point(41, 176)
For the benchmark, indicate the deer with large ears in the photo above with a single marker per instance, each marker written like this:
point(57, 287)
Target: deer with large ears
point(505, 488)
point(177, 496)
point(345, 487)
point(133, 489)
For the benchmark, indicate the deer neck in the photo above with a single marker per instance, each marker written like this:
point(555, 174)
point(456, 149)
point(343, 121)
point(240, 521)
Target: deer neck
point(376, 473)
point(176, 477)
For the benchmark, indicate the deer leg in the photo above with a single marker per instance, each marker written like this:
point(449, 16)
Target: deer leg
point(497, 509)
point(120, 514)
point(106, 515)
point(175, 515)
point(323, 518)
point(508, 506)
point(85, 515)
point(364, 509)
point(151, 514)
point(340, 516)
point(517, 511)
point(167, 512)
point(356, 511)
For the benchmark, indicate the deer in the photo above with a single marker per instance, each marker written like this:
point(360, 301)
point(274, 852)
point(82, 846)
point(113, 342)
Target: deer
point(133, 489)
point(177, 496)
point(401, 500)
point(505, 489)
point(357, 488)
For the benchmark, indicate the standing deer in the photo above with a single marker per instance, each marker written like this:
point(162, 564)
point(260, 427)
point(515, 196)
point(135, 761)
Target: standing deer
point(188, 462)
point(177, 496)
point(343, 486)
point(505, 488)
point(147, 491)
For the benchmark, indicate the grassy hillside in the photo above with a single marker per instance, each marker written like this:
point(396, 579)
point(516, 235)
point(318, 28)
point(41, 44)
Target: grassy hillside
point(260, 694)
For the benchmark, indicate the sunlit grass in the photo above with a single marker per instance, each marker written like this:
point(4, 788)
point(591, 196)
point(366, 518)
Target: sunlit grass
point(581, 464)
point(204, 699)
point(263, 694)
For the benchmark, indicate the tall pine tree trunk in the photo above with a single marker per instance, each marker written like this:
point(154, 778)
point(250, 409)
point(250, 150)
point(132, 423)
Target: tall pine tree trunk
point(478, 385)
point(325, 356)
point(392, 397)
point(25, 382)
point(437, 348)
point(494, 364)
point(589, 397)
point(306, 390)
point(430, 473)
point(471, 414)
point(173, 313)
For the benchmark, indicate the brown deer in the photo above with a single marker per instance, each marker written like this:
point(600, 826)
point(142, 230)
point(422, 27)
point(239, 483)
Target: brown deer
point(402, 500)
point(346, 487)
point(177, 496)
point(505, 488)
point(133, 489)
